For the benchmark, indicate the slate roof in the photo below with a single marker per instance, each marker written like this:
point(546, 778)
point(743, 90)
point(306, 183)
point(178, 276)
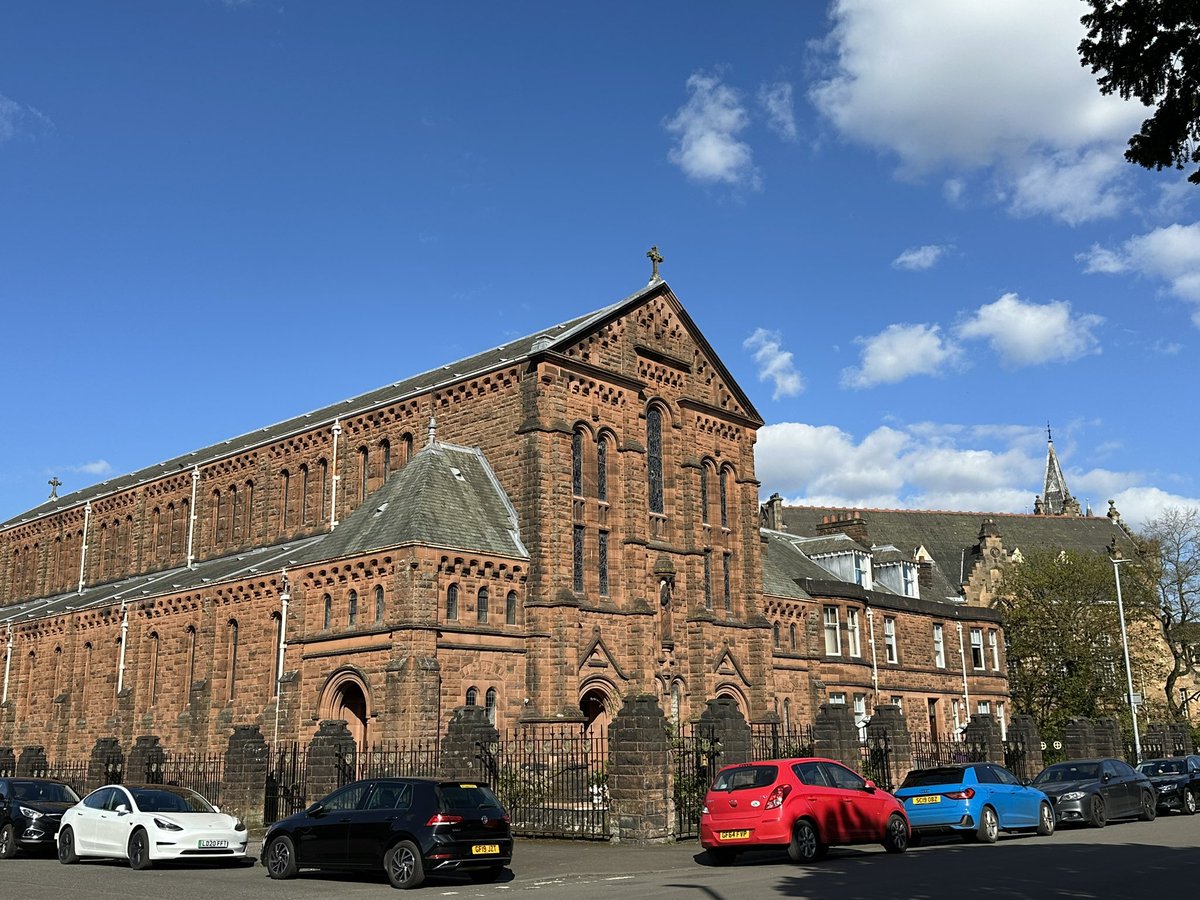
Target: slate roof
point(952, 538)
point(521, 349)
point(445, 496)
point(425, 502)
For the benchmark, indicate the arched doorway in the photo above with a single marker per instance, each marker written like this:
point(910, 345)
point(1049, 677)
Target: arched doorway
point(346, 698)
point(594, 704)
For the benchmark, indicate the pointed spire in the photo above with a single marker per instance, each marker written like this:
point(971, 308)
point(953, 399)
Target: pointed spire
point(1056, 499)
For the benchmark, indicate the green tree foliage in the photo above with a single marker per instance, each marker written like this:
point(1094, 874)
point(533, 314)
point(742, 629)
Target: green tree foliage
point(1172, 544)
point(1064, 636)
point(1150, 49)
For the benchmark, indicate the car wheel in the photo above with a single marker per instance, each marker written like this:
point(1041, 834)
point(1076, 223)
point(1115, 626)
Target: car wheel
point(895, 836)
point(989, 826)
point(804, 845)
point(8, 842)
point(485, 876)
point(139, 850)
point(1149, 810)
point(66, 846)
point(1189, 802)
point(403, 865)
point(721, 856)
point(281, 857)
point(1045, 820)
point(1097, 817)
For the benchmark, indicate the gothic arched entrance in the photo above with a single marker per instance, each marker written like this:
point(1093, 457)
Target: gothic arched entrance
point(345, 697)
point(595, 705)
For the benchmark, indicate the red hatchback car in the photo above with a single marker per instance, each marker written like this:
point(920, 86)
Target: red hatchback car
point(805, 805)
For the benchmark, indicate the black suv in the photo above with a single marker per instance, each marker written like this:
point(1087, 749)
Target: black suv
point(407, 826)
point(30, 810)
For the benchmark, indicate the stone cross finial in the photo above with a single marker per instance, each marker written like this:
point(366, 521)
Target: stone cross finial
point(655, 258)
point(55, 484)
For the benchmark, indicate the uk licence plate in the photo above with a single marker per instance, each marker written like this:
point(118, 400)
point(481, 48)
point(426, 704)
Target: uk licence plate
point(213, 844)
point(733, 835)
point(932, 798)
point(483, 849)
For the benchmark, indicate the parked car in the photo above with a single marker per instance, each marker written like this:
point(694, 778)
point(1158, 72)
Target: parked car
point(408, 827)
point(30, 810)
point(145, 823)
point(1176, 780)
point(1092, 791)
point(975, 800)
point(803, 805)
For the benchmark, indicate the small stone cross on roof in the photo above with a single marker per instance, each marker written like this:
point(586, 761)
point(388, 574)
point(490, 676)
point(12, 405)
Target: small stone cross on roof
point(655, 258)
point(55, 484)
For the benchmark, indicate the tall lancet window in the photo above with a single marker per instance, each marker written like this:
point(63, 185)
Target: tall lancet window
point(654, 460)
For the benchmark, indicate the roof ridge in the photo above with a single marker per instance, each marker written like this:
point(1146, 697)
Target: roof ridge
point(941, 512)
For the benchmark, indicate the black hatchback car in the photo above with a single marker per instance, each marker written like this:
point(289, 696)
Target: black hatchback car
point(409, 827)
point(1177, 781)
point(30, 810)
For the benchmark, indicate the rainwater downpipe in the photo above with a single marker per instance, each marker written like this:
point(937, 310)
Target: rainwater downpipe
point(874, 661)
point(191, 557)
point(333, 522)
point(285, 597)
point(7, 663)
point(87, 518)
point(962, 656)
point(121, 660)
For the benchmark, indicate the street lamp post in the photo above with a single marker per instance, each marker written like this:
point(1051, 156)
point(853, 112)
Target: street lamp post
point(1137, 741)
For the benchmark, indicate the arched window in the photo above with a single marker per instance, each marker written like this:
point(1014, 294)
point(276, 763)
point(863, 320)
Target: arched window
point(352, 605)
point(602, 469)
point(218, 528)
point(235, 515)
point(406, 445)
point(156, 533)
point(654, 458)
point(278, 670)
point(775, 631)
point(481, 606)
point(304, 494)
point(233, 660)
point(57, 671)
point(676, 701)
point(386, 446)
point(171, 526)
point(153, 667)
point(452, 603)
point(489, 703)
point(577, 463)
point(86, 680)
point(724, 496)
point(510, 608)
point(378, 603)
point(792, 635)
point(328, 609)
point(787, 715)
point(249, 517)
point(323, 472)
point(472, 696)
point(363, 460)
point(704, 493)
point(285, 485)
point(190, 638)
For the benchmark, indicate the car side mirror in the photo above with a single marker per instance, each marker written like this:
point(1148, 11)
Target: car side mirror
point(1026, 782)
point(316, 810)
point(122, 809)
point(216, 809)
point(869, 786)
point(1106, 777)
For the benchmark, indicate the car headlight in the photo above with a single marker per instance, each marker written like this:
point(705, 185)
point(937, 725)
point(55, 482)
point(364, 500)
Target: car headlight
point(29, 813)
point(1073, 795)
point(166, 824)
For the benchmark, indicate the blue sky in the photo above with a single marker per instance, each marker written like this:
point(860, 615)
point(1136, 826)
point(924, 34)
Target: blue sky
point(906, 228)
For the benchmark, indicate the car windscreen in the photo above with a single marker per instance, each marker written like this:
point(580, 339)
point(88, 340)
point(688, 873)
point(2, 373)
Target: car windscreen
point(467, 796)
point(927, 777)
point(1163, 767)
point(43, 792)
point(166, 800)
point(745, 777)
point(1068, 772)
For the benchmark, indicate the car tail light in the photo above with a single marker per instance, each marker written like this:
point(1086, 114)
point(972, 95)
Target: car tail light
point(775, 800)
point(965, 794)
point(443, 819)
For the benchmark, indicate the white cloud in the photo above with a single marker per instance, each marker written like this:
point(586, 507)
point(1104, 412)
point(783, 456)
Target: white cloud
point(96, 467)
point(917, 259)
point(708, 149)
point(1171, 254)
point(929, 465)
point(899, 352)
point(1031, 333)
point(17, 119)
point(988, 88)
point(776, 99)
point(774, 363)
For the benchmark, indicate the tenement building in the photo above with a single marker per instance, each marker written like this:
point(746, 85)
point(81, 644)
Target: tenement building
point(540, 529)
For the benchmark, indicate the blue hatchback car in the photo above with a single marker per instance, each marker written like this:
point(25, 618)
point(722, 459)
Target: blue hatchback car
point(976, 800)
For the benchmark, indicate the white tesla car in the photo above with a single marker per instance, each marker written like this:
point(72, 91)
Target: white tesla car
point(146, 823)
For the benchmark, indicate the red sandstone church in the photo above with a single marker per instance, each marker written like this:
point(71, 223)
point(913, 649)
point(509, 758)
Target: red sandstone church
point(541, 529)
